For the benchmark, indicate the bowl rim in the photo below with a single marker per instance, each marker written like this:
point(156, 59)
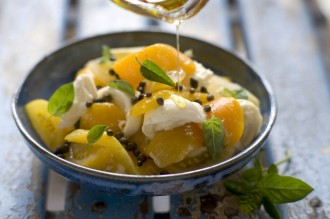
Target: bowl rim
point(253, 147)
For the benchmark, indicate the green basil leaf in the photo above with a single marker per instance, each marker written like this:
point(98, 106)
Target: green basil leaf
point(235, 187)
point(123, 86)
point(153, 72)
point(214, 134)
point(61, 100)
point(272, 169)
point(251, 176)
point(95, 133)
point(250, 202)
point(237, 94)
point(283, 189)
point(271, 208)
point(106, 54)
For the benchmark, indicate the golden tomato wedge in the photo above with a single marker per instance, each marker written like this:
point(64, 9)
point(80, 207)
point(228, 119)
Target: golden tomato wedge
point(46, 125)
point(169, 147)
point(163, 55)
point(231, 114)
point(105, 154)
point(149, 103)
point(102, 114)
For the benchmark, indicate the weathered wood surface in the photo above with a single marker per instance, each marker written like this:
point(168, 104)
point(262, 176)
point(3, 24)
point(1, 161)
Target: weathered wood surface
point(284, 46)
point(281, 41)
point(28, 30)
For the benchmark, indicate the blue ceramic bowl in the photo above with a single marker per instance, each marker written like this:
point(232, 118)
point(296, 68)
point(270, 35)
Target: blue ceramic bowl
point(59, 68)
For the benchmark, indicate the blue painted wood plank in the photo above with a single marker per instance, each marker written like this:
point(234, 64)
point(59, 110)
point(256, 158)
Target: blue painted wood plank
point(284, 46)
point(83, 202)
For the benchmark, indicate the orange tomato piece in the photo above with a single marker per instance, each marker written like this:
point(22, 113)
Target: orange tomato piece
point(231, 114)
point(102, 114)
point(172, 146)
point(162, 54)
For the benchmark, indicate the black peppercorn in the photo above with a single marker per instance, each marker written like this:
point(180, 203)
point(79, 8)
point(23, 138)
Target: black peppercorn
point(136, 152)
point(210, 97)
point(192, 90)
point(140, 162)
point(109, 132)
point(119, 135)
point(123, 140)
point(203, 90)
point(207, 108)
point(142, 157)
point(140, 89)
point(193, 83)
point(134, 100)
point(160, 101)
point(112, 72)
point(131, 146)
point(141, 96)
point(198, 101)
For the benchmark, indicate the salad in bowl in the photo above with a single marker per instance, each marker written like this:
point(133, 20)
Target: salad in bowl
point(129, 114)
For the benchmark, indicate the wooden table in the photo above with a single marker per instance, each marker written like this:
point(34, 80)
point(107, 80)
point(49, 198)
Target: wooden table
point(287, 40)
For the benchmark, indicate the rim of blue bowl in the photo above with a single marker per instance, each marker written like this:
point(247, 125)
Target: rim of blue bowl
point(246, 152)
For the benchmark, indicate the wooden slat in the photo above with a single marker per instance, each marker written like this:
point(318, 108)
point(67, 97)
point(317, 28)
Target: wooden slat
point(29, 30)
point(84, 202)
point(211, 24)
point(284, 47)
point(103, 16)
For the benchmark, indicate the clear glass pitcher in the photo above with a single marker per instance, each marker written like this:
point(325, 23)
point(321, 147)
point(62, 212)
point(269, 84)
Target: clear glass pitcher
point(167, 10)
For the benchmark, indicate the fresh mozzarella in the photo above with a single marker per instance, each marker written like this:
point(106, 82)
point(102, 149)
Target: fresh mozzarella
point(84, 91)
point(132, 123)
point(252, 121)
point(170, 115)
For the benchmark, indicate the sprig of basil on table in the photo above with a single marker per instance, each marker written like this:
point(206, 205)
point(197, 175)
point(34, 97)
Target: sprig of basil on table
point(95, 133)
point(258, 186)
point(153, 72)
point(61, 100)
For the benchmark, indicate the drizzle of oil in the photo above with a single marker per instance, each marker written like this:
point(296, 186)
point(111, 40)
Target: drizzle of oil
point(177, 24)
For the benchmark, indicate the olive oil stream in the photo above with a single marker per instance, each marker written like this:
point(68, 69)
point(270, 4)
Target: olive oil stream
point(170, 11)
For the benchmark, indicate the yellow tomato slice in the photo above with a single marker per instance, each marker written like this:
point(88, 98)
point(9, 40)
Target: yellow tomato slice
point(149, 103)
point(46, 125)
point(105, 154)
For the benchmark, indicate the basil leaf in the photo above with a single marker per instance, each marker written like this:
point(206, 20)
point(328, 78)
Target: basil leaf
point(61, 100)
point(214, 134)
point(235, 187)
point(253, 175)
point(250, 202)
point(237, 94)
point(153, 72)
point(123, 86)
point(106, 54)
point(283, 189)
point(270, 208)
point(272, 169)
point(95, 133)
